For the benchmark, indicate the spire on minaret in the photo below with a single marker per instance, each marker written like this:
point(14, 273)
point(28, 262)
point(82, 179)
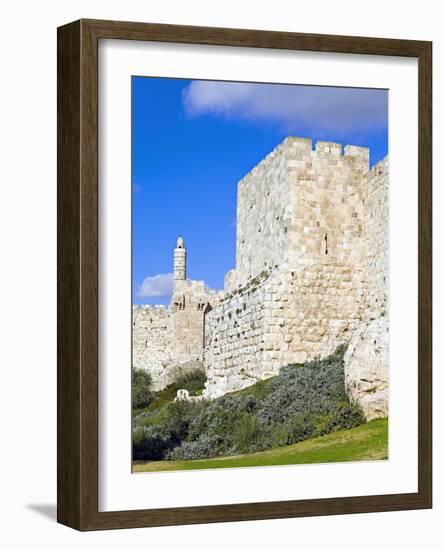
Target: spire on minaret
point(180, 260)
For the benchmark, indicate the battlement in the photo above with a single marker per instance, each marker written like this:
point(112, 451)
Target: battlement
point(147, 308)
point(328, 148)
point(355, 151)
point(292, 206)
point(155, 316)
point(301, 149)
point(380, 169)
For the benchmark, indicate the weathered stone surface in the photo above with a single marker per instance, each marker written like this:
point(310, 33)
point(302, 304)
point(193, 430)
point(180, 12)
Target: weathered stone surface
point(366, 368)
point(311, 268)
point(168, 341)
point(311, 262)
point(184, 395)
point(152, 340)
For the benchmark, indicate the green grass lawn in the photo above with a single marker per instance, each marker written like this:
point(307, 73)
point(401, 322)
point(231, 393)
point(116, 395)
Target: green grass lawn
point(366, 442)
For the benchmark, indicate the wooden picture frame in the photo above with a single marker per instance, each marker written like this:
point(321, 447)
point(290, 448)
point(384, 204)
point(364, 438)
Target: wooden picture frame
point(77, 479)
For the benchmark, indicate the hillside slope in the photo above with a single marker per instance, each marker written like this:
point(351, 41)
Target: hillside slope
point(366, 442)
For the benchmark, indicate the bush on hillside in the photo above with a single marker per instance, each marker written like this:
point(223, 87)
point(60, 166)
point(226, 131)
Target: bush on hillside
point(149, 443)
point(220, 428)
point(315, 389)
point(301, 402)
point(141, 388)
point(193, 381)
point(159, 431)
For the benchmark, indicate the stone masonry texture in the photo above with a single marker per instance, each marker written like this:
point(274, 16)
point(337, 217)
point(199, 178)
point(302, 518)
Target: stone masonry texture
point(311, 270)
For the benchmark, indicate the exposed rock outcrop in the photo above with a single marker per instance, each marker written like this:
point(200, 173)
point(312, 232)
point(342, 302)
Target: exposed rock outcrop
point(366, 368)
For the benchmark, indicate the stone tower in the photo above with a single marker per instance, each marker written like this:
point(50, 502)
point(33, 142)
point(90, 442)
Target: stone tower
point(190, 302)
point(180, 260)
point(169, 340)
point(311, 262)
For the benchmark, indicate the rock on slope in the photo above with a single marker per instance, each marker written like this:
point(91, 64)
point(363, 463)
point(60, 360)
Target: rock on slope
point(366, 368)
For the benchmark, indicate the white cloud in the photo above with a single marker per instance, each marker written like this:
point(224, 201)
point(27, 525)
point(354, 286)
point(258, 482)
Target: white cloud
point(316, 108)
point(156, 286)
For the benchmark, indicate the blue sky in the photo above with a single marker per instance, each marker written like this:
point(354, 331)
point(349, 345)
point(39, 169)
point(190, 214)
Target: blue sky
point(192, 141)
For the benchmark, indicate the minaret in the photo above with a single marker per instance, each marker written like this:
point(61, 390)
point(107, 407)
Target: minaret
point(180, 261)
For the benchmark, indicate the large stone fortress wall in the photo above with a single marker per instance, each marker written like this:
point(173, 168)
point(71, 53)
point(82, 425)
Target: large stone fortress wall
point(310, 261)
point(289, 203)
point(311, 267)
point(376, 234)
point(152, 341)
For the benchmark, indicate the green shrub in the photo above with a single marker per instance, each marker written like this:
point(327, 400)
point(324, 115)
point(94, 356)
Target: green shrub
point(217, 429)
point(193, 381)
point(302, 401)
point(157, 432)
point(192, 450)
point(141, 388)
point(177, 416)
point(148, 443)
point(246, 432)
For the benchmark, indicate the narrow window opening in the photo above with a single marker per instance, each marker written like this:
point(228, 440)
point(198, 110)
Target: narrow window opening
point(326, 243)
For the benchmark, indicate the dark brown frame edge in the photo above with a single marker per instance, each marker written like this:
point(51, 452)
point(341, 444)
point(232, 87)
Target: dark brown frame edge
point(77, 317)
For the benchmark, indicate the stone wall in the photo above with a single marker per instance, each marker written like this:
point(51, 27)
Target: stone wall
point(264, 212)
point(234, 335)
point(296, 204)
point(311, 270)
point(376, 232)
point(300, 287)
point(167, 341)
point(190, 302)
point(280, 317)
point(152, 342)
